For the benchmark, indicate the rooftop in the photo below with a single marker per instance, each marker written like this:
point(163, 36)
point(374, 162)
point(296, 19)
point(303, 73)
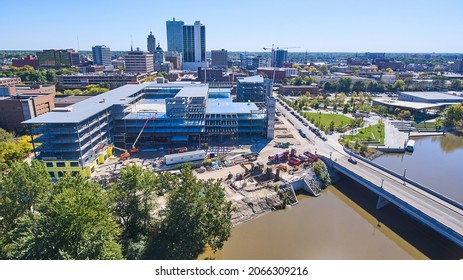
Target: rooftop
point(253, 79)
point(432, 95)
point(87, 108)
point(226, 106)
point(408, 104)
point(195, 90)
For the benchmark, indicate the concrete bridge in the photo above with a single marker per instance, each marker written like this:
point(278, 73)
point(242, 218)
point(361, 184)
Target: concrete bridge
point(429, 207)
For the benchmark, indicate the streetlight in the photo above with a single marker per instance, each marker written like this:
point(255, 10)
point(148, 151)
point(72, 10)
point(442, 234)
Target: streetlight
point(405, 171)
point(382, 182)
point(319, 118)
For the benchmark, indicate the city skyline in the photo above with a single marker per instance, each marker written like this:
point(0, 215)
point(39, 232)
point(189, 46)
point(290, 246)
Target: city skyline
point(331, 26)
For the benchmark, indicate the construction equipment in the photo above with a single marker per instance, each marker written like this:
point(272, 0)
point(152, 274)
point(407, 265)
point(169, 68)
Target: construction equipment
point(282, 167)
point(283, 145)
point(279, 157)
point(124, 154)
point(134, 148)
point(247, 170)
point(273, 49)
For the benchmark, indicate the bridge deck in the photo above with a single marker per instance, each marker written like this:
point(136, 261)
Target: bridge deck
point(445, 217)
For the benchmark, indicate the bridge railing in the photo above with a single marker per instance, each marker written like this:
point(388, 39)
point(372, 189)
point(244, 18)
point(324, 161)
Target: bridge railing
point(405, 179)
point(406, 207)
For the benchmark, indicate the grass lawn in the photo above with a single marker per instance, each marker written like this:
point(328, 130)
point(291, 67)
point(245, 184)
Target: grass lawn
point(326, 119)
point(371, 133)
point(425, 125)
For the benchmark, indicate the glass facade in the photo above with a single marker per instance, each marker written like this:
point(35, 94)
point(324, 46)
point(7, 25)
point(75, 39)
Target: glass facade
point(174, 35)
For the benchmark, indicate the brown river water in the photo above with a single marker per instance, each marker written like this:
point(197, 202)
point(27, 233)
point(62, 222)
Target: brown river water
point(343, 223)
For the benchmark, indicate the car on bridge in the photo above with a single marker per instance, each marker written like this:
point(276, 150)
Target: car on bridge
point(352, 160)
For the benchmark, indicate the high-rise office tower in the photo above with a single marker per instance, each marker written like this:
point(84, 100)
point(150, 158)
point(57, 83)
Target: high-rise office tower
point(280, 57)
point(174, 35)
point(151, 43)
point(219, 58)
point(101, 55)
point(194, 46)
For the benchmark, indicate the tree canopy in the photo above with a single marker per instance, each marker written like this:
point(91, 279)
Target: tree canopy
point(70, 219)
point(75, 218)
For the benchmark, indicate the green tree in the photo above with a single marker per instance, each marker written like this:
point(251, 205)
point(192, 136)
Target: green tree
point(358, 86)
point(134, 201)
point(5, 136)
point(23, 189)
point(345, 84)
point(76, 223)
point(399, 85)
point(196, 215)
point(453, 116)
point(297, 81)
point(324, 69)
point(331, 128)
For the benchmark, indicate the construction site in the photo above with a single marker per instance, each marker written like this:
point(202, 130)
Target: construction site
point(260, 157)
point(258, 176)
point(148, 117)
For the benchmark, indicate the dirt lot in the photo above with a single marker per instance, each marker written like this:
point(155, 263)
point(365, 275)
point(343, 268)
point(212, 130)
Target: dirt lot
point(258, 197)
point(251, 196)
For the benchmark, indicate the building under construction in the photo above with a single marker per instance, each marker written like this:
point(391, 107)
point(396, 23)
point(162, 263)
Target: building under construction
point(78, 138)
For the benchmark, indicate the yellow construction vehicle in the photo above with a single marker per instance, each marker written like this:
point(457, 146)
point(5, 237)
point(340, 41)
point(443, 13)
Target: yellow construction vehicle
point(283, 167)
point(247, 170)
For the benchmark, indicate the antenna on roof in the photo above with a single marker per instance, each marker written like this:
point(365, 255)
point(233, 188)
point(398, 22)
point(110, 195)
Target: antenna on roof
point(131, 43)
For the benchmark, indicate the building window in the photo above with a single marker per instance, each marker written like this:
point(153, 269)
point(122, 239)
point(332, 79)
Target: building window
point(74, 164)
point(50, 164)
point(52, 174)
point(60, 174)
point(75, 173)
point(60, 164)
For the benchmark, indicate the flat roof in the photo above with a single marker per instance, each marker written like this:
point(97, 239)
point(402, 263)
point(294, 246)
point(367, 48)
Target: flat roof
point(432, 95)
point(409, 104)
point(119, 96)
point(72, 99)
point(193, 91)
point(253, 79)
point(89, 107)
point(227, 106)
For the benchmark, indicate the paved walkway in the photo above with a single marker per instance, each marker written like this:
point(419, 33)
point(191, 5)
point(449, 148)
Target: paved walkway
point(394, 138)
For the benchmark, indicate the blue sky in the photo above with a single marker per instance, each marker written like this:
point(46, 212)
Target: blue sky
point(318, 26)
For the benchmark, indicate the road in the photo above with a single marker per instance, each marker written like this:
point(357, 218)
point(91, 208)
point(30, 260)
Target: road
point(434, 207)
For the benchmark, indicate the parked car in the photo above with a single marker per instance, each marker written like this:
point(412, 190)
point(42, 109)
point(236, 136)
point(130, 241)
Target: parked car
point(352, 160)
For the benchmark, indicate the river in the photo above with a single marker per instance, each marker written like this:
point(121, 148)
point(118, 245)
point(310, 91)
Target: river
point(343, 224)
point(436, 163)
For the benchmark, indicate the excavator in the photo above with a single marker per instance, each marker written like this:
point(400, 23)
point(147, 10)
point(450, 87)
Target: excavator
point(254, 168)
point(134, 148)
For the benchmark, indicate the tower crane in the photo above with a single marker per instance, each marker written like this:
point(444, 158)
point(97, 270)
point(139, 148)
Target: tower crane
point(273, 49)
point(134, 148)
